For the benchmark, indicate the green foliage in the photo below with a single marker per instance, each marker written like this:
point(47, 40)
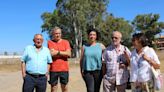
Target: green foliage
point(116, 24)
point(76, 16)
point(148, 24)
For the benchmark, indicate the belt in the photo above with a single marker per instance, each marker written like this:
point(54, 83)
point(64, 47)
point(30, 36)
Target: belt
point(36, 75)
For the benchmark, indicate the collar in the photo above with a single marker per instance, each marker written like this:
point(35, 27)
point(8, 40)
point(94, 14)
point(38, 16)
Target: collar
point(37, 48)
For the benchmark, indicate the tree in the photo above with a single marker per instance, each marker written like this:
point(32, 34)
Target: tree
point(5, 53)
point(148, 24)
point(75, 16)
point(15, 53)
point(110, 24)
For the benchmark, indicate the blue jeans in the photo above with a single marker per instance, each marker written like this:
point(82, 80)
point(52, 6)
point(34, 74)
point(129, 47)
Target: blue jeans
point(31, 83)
point(93, 80)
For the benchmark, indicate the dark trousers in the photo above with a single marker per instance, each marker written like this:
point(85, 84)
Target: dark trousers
point(93, 80)
point(31, 83)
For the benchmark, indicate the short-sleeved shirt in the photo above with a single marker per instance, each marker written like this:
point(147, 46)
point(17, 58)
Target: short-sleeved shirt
point(113, 58)
point(140, 69)
point(36, 62)
point(92, 58)
point(60, 63)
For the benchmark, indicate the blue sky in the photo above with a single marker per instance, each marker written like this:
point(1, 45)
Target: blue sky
point(21, 19)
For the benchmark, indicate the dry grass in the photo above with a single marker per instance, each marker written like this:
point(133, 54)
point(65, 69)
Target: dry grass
point(11, 67)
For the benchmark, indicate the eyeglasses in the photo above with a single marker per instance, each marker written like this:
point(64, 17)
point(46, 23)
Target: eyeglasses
point(115, 38)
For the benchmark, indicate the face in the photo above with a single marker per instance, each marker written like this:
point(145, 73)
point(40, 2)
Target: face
point(38, 40)
point(116, 38)
point(92, 36)
point(136, 43)
point(56, 35)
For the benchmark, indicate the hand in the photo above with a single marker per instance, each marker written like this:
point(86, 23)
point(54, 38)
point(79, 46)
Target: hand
point(82, 73)
point(47, 75)
point(53, 52)
point(126, 55)
point(23, 75)
point(145, 57)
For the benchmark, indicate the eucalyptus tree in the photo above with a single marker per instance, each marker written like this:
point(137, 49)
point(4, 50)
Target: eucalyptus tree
point(74, 17)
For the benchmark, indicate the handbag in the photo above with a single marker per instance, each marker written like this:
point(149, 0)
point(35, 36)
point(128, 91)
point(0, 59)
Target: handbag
point(158, 78)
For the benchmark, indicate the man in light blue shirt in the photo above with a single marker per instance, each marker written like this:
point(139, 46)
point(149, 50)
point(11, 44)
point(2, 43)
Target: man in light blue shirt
point(35, 66)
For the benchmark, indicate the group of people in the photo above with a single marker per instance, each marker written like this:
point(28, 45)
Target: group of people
point(114, 66)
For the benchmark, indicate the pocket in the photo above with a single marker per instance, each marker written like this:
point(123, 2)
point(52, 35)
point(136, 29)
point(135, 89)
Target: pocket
point(43, 79)
point(26, 77)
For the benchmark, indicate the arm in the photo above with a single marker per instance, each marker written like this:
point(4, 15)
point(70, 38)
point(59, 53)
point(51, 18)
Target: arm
point(102, 46)
point(62, 53)
point(23, 69)
point(127, 58)
point(66, 53)
point(155, 65)
point(127, 54)
point(103, 63)
point(153, 60)
point(23, 62)
point(48, 69)
point(103, 69)
point(49, 61)
point(81, 61)
point(53, 52)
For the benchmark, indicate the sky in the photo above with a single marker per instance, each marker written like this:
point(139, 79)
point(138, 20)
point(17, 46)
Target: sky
point(21, 19)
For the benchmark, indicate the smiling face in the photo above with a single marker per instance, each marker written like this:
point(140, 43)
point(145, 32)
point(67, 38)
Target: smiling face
point(92, 36)
point(38, 40)
point(116, 38)
point(139, 40)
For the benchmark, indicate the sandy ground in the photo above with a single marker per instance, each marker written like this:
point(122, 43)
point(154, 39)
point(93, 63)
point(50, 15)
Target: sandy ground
point(12, 81)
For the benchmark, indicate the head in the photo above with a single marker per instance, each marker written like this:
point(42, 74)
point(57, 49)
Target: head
point(139, 40)
point(38, 40)
point(56, 33)
point(92, 35)
point(116, 38)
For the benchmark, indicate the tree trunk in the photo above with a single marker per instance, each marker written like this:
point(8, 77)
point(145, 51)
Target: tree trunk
point(77, 53)
point(80, 40)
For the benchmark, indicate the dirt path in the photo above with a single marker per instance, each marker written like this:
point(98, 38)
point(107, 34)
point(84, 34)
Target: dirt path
point(12, 82)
